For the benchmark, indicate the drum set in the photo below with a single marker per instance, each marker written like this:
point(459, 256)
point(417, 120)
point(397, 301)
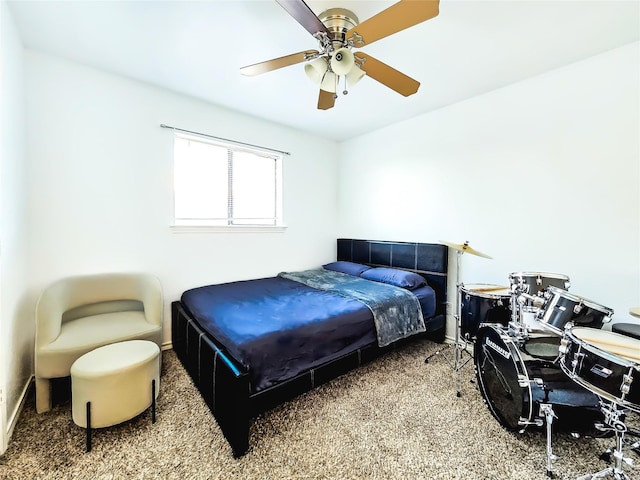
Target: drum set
point(541, 357)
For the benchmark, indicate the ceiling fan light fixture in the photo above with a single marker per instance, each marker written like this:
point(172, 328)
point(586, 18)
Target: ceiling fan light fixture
point(354, 76)
point(316, 69)
point(342, 61)
point(329, 82)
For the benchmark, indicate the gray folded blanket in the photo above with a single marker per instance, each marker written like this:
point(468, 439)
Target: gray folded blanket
point(396, 311)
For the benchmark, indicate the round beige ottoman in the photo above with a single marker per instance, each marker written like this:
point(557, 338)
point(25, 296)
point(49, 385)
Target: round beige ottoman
point(114, 383)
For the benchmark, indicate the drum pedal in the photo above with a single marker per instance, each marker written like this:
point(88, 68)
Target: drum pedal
point(614, 421)
point(606, 456)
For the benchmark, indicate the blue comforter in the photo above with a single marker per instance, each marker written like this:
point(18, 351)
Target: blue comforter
point(277, 328)
point(396, 311)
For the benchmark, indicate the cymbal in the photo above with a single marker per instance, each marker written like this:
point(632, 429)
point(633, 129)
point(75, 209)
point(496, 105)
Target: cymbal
point(635, 311)
point(465, 248)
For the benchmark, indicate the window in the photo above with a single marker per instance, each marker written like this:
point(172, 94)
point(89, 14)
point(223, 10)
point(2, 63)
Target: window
point(224, 185)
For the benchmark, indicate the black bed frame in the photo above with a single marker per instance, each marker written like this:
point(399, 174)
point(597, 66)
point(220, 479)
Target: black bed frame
point(224, 383)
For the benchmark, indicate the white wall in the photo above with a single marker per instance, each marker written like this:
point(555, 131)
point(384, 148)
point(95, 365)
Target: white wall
point(100, 184)
point(542, 175)
point(16, 324)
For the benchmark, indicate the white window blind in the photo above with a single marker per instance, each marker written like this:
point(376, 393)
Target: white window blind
point(224, 185)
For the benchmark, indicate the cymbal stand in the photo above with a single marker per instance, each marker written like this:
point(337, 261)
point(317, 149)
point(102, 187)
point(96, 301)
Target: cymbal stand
point(614, 422)
point(461, 344)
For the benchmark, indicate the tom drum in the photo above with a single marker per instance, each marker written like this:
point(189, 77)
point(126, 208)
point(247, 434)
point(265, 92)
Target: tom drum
point(561, 307)
point(483, 303)
point(533, 283)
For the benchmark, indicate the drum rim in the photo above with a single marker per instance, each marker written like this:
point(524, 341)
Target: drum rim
point(490, 294)
point(617, 359)
point(585, 301)
point(555, 276)
point(526, 399)
point(547, 327)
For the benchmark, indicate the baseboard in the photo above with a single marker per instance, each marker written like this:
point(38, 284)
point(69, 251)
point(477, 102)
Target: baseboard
point(15, 415)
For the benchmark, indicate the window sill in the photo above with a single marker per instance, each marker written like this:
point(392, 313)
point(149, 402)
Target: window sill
point(227, 229)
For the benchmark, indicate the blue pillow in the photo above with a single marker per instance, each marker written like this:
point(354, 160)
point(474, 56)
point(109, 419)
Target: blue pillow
point(349, 268)
point(393, 276)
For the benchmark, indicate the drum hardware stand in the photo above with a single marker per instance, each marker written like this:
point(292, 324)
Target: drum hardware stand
point(613, 422)
point(460, 344)
point(516, 327)
point(546, 412)
point(634, 447)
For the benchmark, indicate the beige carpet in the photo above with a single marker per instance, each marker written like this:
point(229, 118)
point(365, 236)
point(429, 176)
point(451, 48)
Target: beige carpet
point(393, 418)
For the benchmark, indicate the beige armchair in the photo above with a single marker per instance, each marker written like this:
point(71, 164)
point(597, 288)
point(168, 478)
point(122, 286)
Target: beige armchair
point(78, 314)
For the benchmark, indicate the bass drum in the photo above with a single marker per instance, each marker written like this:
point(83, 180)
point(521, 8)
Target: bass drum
point(514, 380)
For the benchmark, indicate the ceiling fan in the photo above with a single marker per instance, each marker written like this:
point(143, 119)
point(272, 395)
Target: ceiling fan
point(338, 31)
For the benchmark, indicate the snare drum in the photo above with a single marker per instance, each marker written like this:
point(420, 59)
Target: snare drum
point(483, 303)
point(606, 363)
point(533, 283)
point(515, 378)
point(561, 307)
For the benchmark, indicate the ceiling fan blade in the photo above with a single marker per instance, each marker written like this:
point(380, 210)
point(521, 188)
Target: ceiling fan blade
point(304, 15)
point(326, 100)
point(387, 75)
point(274, 64)
point(399, 16)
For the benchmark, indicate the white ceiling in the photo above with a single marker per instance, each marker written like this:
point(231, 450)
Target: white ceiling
point(197, 49)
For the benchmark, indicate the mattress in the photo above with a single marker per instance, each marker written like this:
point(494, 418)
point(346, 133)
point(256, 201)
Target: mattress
point(277, 328)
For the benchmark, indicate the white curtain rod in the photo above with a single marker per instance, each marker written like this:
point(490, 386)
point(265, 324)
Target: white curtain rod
point(223, 139)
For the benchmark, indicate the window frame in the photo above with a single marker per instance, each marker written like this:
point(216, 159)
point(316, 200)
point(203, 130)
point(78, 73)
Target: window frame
point(204, 227)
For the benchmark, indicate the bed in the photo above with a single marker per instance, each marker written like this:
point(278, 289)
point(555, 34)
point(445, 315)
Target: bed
point(249, 346)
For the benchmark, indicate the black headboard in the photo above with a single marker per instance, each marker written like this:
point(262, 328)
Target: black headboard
point(428, 259)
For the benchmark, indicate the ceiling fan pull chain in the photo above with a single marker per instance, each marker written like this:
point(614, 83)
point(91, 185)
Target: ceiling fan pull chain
point(345, 91)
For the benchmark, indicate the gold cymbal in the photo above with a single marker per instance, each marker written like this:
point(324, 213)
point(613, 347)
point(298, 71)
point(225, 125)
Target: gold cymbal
point(465, 248)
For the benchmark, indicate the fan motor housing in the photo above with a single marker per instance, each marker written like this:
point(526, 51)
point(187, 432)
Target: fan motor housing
point(338, 21)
